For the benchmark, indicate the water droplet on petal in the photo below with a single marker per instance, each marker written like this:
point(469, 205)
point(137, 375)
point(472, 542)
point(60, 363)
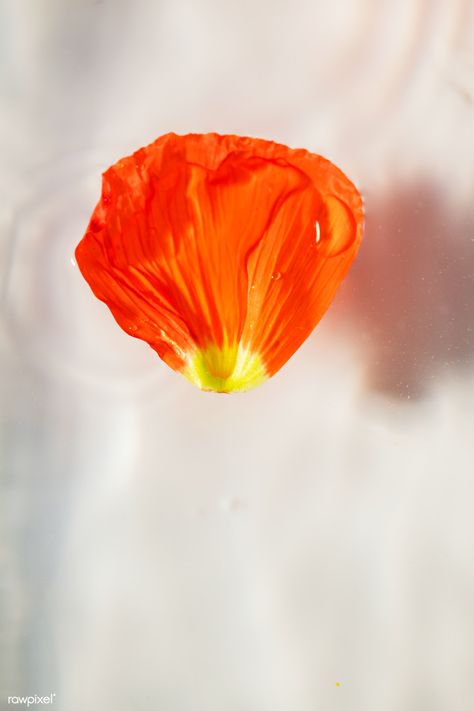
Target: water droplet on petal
point(73, 262)
point(132, 328)
point(276, 276)
point(96, 224)
point(318, 233)
point(338, 229)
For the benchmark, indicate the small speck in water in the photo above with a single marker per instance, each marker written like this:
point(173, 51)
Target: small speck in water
point(338, 683)
point(232, 504)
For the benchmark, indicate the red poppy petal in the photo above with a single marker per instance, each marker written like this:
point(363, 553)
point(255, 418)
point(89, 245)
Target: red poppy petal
point(221, 252)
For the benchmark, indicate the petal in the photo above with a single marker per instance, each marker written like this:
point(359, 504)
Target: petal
point(206, 247)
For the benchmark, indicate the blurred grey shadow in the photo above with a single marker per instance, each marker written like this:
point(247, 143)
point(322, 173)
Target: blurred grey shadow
point(411, 290)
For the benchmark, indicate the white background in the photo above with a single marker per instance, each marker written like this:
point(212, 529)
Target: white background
point(306, 546)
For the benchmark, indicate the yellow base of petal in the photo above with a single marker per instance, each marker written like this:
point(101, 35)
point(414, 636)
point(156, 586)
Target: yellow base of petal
point(226, 370)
